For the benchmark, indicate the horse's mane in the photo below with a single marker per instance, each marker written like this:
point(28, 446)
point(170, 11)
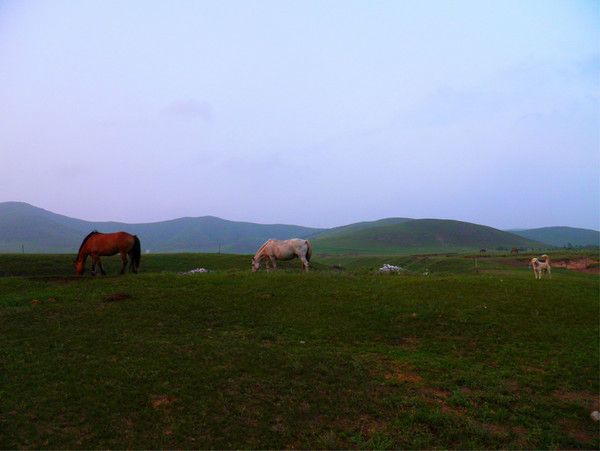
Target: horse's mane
point(92, 233)
point(263, 246)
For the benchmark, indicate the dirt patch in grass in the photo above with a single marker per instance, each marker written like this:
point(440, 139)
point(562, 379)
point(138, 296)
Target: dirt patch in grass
point(410, 342)
point(512, 386)
point(116, 297)
point(520, 434)
point(580, 264)
point(366, 425)
point(40, 301)
point(496, 429)
point(471, 391)
point(370, 426)
point(575, 429)
point(401, 373)
point(440, 398)
point(432, 393)
point(585, 399)
point(162, 401)
point(586, 264)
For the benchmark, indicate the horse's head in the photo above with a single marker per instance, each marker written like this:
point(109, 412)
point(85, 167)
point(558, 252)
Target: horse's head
point(255, 264)
point(79, 266)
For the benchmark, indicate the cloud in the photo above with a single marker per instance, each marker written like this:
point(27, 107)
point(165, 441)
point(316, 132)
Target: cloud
point(189, 109)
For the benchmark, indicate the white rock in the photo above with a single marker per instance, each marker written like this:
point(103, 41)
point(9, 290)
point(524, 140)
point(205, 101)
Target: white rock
point(195, 271)
point(390, 268)
point(595, 415)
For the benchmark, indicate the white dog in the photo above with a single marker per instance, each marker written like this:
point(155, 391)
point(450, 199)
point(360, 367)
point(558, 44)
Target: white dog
point(541, 266)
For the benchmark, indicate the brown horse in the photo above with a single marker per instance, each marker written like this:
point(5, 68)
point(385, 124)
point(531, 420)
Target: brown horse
point(99, 244)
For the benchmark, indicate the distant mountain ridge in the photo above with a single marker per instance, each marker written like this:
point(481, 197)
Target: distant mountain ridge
point(33, 229)
point(561, 236)
point(42, 231)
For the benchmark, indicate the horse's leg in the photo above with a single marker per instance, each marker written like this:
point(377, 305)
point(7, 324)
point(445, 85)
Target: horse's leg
point(93, 265)
point(268, 264)
point(100, 266)
point(123, 262)
point(273, 261)
point(132, 266)
point(304, 263)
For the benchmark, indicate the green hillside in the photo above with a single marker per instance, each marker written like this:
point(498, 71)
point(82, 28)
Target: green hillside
point(41, 231)
point(342, 230)
point(420, 235)
point(561, 236)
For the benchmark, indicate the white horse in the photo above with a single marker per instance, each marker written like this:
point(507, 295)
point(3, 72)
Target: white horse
point(539, 266)
point(274, 250)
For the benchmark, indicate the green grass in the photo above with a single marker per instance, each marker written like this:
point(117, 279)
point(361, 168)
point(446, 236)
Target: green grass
point(330, 359)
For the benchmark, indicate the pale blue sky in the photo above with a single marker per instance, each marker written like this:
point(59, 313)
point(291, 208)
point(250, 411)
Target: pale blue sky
point(315, 113)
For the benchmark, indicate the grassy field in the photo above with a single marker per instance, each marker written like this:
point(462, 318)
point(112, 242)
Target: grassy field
point(472, 355)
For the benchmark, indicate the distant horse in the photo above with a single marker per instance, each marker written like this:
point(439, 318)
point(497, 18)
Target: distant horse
point(482, 251)
point(514, 250)
point(541, 266)
point(274, 250)
point(99, 244)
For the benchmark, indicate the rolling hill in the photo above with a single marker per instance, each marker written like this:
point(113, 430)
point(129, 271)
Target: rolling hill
point(419, 235)
point(342, 230)
point(561, 236)
point(42, 231)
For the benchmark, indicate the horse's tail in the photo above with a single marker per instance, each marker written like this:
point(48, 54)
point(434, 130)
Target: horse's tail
point(308, 250)
point(136, 254)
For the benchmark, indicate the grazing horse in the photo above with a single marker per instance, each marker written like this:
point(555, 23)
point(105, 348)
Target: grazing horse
point(514, 250)
point(540, 266)
point(97, 244)
point(274, 250)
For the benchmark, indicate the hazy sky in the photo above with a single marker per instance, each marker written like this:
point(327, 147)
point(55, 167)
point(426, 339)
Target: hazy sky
point(315, 113)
